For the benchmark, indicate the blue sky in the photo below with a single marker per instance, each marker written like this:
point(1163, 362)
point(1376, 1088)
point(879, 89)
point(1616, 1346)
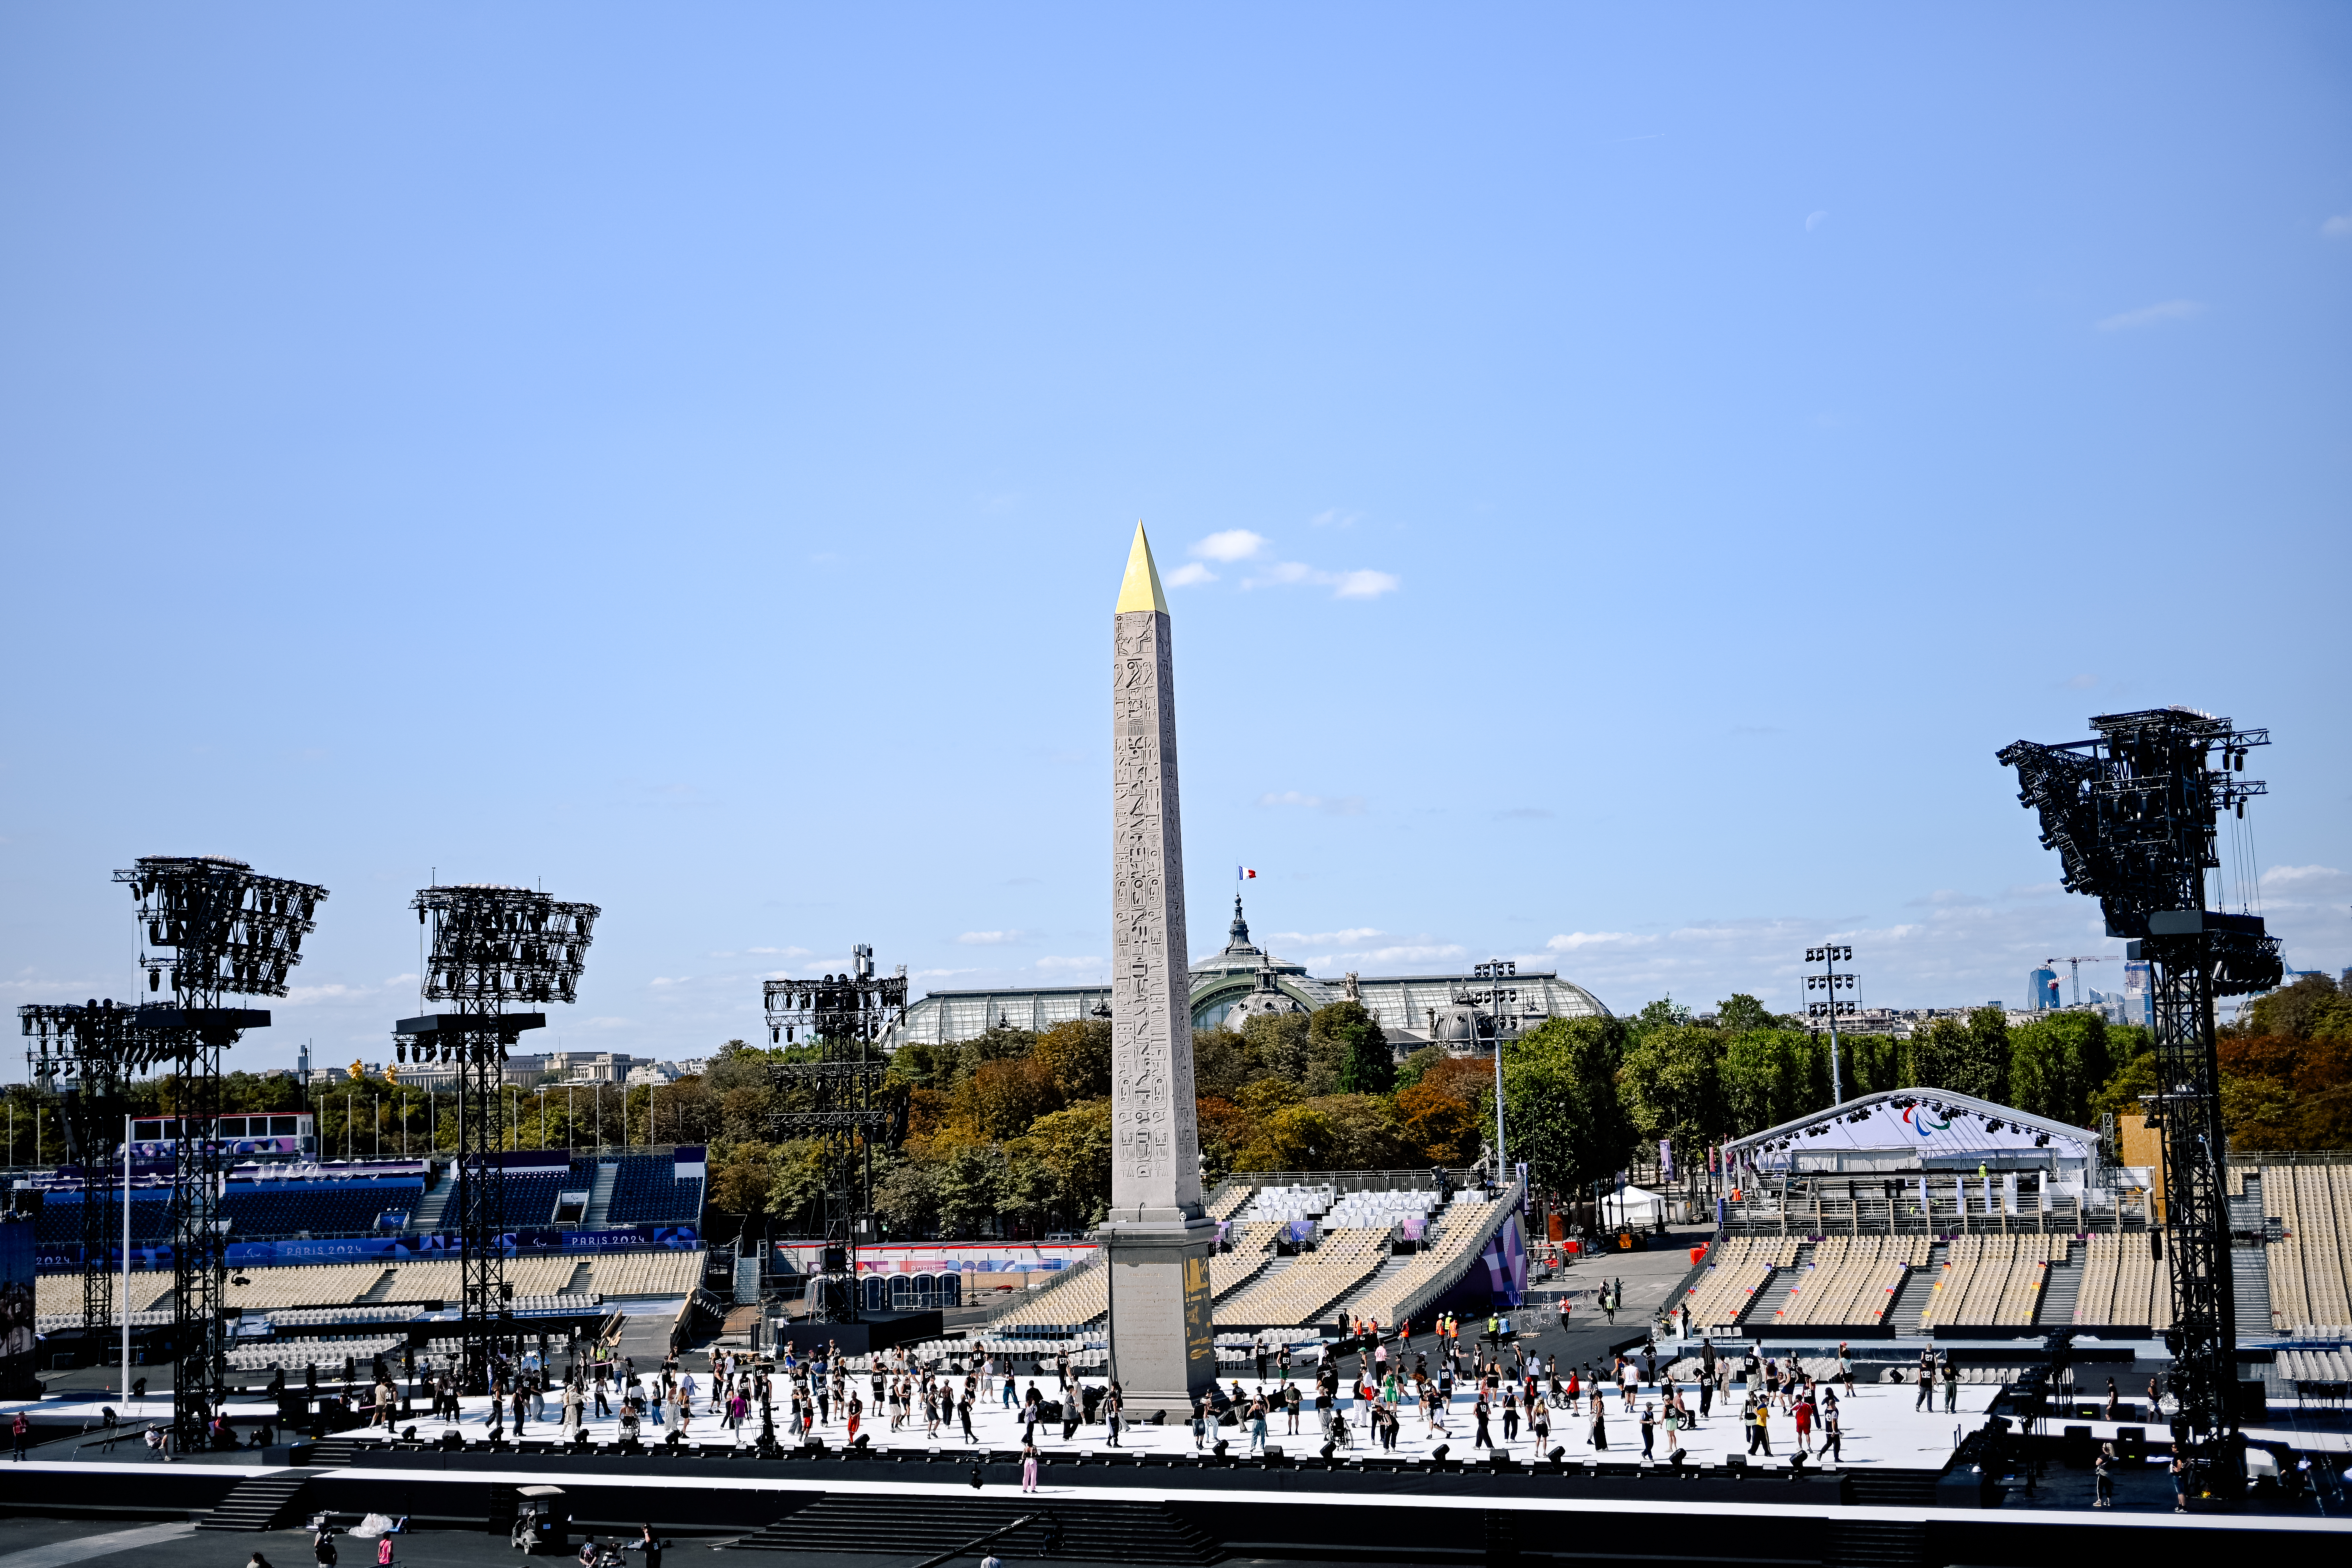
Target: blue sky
point(1629, 474)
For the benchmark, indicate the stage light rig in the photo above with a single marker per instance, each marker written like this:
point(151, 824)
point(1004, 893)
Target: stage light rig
point(837, 1096)
point(490, 945)
point(2131, 813)
point(232, 932)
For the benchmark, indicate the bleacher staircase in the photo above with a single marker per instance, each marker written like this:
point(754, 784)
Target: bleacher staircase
point(1768, 1300)
point(838, 1525)
point(257, 1502)
point(1919, 1289)
point(426, 1216)
point(2063, 1289)
point(600, 1196)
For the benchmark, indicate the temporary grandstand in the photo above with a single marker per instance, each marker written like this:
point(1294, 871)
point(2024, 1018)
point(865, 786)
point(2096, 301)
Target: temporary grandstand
point(1297, 1248)
point(366, 1237)
point(1923, 1214)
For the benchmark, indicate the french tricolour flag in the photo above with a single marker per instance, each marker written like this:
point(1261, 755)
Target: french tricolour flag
point(1244, 874)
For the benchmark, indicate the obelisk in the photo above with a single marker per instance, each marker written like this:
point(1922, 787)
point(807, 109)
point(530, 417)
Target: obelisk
point(1156, 1240)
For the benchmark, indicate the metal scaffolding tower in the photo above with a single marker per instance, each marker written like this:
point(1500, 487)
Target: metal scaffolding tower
point(2132, 815)
point(837, 1096)
point(490, 945)
point(232, 932)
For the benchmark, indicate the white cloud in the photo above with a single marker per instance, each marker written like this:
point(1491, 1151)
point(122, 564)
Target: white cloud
point(992, 938)
point(1189, 576)
point(1366, 584)
point(1575, 941)
point(1089, 962)
point(1349, 938)
point(1229, 545)
point(2337, 227)
point(1814, 220)
point(1361, 583)
point(783, 952)
point(1335, 805)
point(2317, 878)
point(1335, 517)
point(2152, 315)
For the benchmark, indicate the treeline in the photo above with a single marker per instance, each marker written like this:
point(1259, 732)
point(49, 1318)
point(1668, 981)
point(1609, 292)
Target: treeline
point(1011, 1133)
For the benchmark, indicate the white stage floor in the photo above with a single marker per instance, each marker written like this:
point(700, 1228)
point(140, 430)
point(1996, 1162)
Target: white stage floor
point(1880, 1427)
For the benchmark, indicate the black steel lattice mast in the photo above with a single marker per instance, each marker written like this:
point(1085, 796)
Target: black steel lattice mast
point(838, 1096)
point(490, 945)
point(232, 932)
point(82, 1053)
point(2132, 816)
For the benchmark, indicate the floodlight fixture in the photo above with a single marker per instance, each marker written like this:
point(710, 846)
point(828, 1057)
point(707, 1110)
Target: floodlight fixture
point(493, 944)
point(232, 931)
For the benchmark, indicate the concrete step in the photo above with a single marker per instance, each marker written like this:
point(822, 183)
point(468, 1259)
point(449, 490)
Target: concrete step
point(2062, 1288)
point(1766, 1304)
point(1918, 1285)
point(1092, 1530)
point(257, 1502)
point(600, 1196)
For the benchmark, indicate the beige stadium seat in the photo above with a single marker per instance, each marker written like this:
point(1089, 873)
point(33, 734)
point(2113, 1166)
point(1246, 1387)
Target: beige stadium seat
point(1315, 1281)
point(1077, 1298)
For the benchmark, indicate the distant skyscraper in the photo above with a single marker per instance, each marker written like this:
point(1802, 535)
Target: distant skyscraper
point(2041, 989)
point(2137, 1003)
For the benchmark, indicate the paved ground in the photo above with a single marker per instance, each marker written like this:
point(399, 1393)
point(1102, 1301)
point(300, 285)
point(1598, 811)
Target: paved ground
point(1882, 1428)
point(27, 1542)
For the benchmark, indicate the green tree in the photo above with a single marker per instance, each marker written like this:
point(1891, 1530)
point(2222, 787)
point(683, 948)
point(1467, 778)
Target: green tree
point(1408, 1073)
point(1077, 1054)
point(1672, 1082)
point(907, 1197)
point(1563, 1113)
point(1366, 1064)
point(1285, 1045)
point(1969, 1057)
point(1771, 1076)
point(2057, 1064)
point(1743, 1013)
point(1076, 1145)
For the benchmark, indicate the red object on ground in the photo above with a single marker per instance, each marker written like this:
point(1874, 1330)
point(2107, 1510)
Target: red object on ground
point(1698, 1255)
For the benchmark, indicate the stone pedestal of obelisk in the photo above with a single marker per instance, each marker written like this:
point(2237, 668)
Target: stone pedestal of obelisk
point(1156, 1240)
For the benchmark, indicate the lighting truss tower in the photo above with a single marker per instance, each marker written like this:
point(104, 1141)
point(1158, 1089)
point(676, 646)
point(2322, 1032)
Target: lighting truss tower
point(82, 1053)
point(490, 945)
point(232, 932)
point(1828, 956)
point(837, 1096)
point(1495, 998)
point(2131, 814)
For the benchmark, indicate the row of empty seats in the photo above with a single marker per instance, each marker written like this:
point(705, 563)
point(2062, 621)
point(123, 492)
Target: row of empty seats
point(1366, 1211)
point(1852, 1279)
point(1992, 1279)
point(2119, 1274)
point(1227, 1201)
point(1078, 1298)
point(1312, 1281)
point(1290, 1202)
point(1447, 1248)
point(1251, 1244)
point(1737, 1269)
point(2311, 1262)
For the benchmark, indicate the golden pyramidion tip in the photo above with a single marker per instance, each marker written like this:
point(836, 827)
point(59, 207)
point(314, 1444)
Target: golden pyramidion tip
point(1140, 589)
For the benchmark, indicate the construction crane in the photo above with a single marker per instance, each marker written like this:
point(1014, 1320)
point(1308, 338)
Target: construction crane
point(2074, 969)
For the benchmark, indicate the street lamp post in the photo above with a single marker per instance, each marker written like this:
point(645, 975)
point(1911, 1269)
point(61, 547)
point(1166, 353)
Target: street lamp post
point(1830, 979)
point(542, 1116)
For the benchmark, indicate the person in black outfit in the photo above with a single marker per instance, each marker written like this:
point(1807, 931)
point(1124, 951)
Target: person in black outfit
point(651, 1547)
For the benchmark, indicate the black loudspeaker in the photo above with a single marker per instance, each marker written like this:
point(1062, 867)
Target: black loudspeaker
point(1439, 1452)
point(1557, 1454)
point(1326, 1452)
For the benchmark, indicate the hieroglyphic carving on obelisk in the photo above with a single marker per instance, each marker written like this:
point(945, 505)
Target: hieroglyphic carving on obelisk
point(1157, 1172)
point(1157, 1241)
